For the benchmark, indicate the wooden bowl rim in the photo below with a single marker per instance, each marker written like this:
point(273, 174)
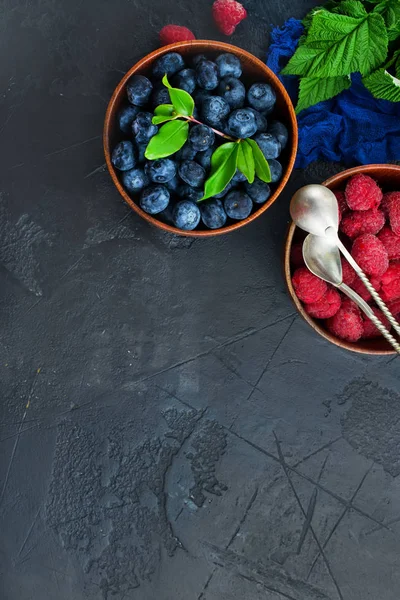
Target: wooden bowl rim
point(335, 179)
point(218, 46)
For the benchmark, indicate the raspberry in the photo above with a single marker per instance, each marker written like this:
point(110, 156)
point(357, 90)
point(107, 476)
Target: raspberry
point(370, 330)
point(370, 254)
point(362, 192)
point(362, 291)
point(362, 221)
point(342, 204)
point(227, 14)
point(394, 213)
point(391, 241)
point(170, 34)
point(296, 255)
point(347, 323)
point(394, 307)
point(387, 199)
point(348, 273)
point(390, 286)
point(307, 286)
point(326, 307)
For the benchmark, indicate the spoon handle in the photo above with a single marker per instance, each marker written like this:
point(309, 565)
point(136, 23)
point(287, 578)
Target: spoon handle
point(370, 314)
point(369, 287)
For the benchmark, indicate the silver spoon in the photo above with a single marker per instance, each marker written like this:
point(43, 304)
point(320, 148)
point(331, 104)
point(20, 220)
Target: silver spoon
point(314, 208)
point(322, 258)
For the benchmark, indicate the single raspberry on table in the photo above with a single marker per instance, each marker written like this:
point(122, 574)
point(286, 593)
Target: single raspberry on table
point(362, 291)
point(370, 330)
point(348, 273)
point(387, 200)
point(391, 241)
point(326, 307)
point(227, 14)
point(362, 192)
point(358, 222)
point(394, 214)
point(347, 323)
point(342, 204)
point(307, 286)
point(390, 282)
point(370, 254)
point(170, 34)
point(296, 255)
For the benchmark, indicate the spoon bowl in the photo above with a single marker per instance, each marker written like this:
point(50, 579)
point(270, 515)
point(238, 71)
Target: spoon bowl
point(314, 208)
point(322, 258)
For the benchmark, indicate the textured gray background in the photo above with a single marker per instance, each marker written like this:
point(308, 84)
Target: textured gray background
point(169, 427)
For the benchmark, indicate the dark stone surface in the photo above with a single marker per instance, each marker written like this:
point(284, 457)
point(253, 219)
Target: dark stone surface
point(169, 427)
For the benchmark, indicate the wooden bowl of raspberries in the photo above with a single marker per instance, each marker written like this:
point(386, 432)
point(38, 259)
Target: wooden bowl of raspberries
point(236, 95)
point(369, 213)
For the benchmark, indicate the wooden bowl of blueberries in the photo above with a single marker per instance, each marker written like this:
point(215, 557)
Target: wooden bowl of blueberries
point(200, 138)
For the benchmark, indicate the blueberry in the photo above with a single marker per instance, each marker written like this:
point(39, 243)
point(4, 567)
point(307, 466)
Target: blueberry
point(238, 205)
point(276, 170)
point(261, 121)
point(142, 127)
point(228, 64)
point(226, 189)
point(233, 91)
point(199, 95)
point(207, 75)
point(169, 64)
point(160, 96)
point(192, 173)
point(242, 123)
point(141, 149)
point(213, 214)
point(261, 96)
point(198, 59)
point(138, 90)
point(280, 131)
point(135, 180)
point(188, 192)
point(204, 158)
point(124, 156)
point(201, 137)
point(185, 80)
point(258, 191)
point(161, 170)
point(239, 177)
point(166, 214)
point(154, 199)
point(269, 144)
point(125, 117)
point(214, 110)
point(172, 184)
point(186, 215)
point(187, 152)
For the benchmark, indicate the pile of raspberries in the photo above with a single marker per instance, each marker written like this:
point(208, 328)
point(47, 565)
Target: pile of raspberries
point(370, 226)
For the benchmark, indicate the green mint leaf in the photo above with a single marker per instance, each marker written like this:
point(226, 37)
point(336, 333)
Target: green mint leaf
point(223, 168)
point(340, 45)
point(182, 101)
point(245, 160)
point(157, 119)
point(168, 140)
point(164, 109)
point(313, 90)
point(351, 8)
point(383, 85)
point(390, 12)
point(262, 167)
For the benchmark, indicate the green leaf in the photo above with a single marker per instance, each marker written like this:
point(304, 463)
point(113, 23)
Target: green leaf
point(390, 11)
point(397, 67)
point(340, 45)
point(168, 140)
point(383, 85)
point(328, 6)
point(262, 167)
point(351, 8)
point(182, 101)
point(223, 168)
point(245, 160)
point(313, 90)
point(164, 109)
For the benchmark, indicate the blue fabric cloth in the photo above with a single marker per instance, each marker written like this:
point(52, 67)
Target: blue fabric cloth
point(352, 128)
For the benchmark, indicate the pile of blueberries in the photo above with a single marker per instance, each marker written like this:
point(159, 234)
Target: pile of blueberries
point(170, 188)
